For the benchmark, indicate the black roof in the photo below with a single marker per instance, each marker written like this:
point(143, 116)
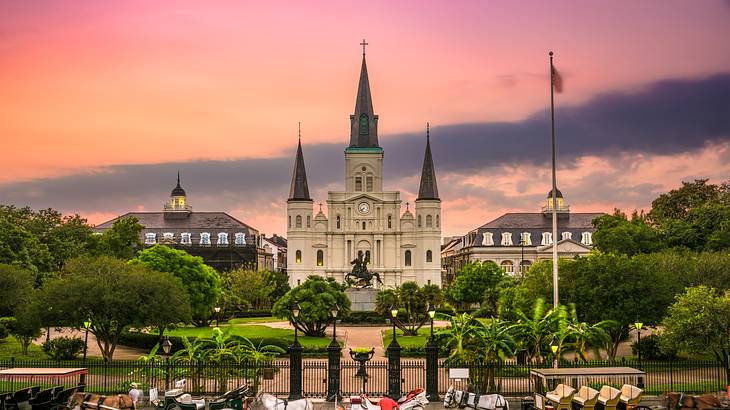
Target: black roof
point(534, 223)
point(195, 222)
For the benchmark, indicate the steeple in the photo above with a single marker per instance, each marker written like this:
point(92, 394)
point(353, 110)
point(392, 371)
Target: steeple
point(428, 188)
point(364, 122)
point(299, 190)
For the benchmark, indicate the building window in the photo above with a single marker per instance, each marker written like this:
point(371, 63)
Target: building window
point(290, 221)
point(339, 221)
point(358, 184)
point(547, 238)
point(408, 258)
point(488, 239)
point(438, 221)
point(419, 221)
point(429, 221)
point(369, 184)
point(508, 267)
point(506, 239)
point(364, 125)
point(168, 236)
point(298, 221)
point(525, 239)
point(320, 257)
point(367, 256)
point(429, 256)
point(298, 256)
point(363, 225)
point(309, 221)
point(524, 267)
point(567, 235)
point(240, 239)
point(586, 238)
point(390, 221)
point(205, 239)
point(185, 238)
point(222, 239)
point(150, 238)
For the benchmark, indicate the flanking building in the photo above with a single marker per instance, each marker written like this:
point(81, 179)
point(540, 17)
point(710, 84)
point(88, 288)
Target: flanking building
point(224, 242)
point(516, 240)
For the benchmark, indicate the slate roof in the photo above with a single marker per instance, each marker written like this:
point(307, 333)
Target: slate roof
point(178, 190)
point(364, 105)
point(299, 190)
point(277, 240)
point(428, 188)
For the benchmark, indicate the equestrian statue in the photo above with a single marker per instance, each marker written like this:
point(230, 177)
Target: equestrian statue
point(362, 276)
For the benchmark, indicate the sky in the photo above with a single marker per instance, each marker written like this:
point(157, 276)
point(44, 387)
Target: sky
point(103, 102)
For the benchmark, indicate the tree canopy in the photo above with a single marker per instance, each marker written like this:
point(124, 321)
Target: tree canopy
point(244, 289)
point(201, 282)
point(121, 241)
point(477, 282)
point(412, 301)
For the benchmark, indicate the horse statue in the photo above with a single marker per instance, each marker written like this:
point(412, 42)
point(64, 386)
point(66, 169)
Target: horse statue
point(363, 277)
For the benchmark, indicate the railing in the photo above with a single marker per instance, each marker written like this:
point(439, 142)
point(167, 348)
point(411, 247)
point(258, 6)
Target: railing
point(206, 378)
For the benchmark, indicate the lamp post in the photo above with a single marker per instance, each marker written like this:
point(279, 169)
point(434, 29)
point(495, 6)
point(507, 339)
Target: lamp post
point(394, 360)
point(638, 325)
point(432, 350)
point(87, 325)
point(167, 347)
point(554, 349)
point(333, 359)
point(217, 315)
point(295, 359)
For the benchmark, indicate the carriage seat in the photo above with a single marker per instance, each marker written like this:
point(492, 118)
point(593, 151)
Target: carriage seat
point(562, 396)
point(187, 399)
point(586, 398)
point(173, 392)
point(630, 395)
point(609, 397)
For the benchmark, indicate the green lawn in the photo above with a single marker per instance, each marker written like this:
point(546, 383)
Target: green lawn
point(251, 331)
point(408, 342)
point(9, 347)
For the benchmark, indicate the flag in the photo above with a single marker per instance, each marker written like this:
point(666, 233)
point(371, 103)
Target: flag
point(557, 81)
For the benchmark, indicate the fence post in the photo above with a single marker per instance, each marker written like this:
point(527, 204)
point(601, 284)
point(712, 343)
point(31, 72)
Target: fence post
point(394, 369)
point(295, 370)
point(333, 370)
point(432, 375)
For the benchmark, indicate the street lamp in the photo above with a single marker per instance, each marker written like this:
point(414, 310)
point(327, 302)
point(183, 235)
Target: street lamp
point(333, 359)
point(554, 349)
point(334, 310)
point(431, 314)
point(217, 315)
point(432, 350)
point(87, 325)
point(394, 370)
point(295, 358)
point(167, 347)
point(638, 325)
point(295, 310)
point(393, 315)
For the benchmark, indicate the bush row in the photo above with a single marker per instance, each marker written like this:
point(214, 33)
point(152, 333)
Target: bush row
point(364, 318)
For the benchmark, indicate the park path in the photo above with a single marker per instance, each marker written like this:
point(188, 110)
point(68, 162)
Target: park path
point(120, 353)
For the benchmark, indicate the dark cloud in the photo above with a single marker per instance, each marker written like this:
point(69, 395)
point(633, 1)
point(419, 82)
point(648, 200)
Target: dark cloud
point(664, 118)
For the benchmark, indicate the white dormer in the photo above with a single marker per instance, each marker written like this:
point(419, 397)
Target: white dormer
point(240, 239)
point(586, 238)
point(205, 239)
point(185, 238)
point(150, 238)
point(525, 239)
point(547, 238)
point(168, 236)
point(222, 239)
point(567, 235)
point(488, 239)
point(506, 239)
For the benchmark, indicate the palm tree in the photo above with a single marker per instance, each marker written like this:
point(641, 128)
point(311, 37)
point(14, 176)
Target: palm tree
point(586, 335)
point(534, 331)
point(495, 343)
point(462, 332)
point(257, 357)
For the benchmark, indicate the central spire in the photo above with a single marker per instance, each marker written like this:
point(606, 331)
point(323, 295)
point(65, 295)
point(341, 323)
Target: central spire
point(299, 190)
point(364, 122)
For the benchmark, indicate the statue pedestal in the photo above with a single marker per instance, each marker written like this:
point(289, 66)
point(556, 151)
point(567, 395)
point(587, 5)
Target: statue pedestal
point(362, 300)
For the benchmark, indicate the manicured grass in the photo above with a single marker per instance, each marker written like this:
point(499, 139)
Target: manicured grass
point(9, 347)
point(252, 331)
point(242, 320)
point(408, 342)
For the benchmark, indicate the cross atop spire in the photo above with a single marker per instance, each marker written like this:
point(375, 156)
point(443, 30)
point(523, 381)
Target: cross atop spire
point(300, 131)
point(363, 44)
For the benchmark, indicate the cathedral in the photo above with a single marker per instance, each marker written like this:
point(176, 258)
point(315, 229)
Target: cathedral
point(364, 220)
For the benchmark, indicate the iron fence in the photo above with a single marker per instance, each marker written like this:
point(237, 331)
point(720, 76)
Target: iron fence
point(207, 378)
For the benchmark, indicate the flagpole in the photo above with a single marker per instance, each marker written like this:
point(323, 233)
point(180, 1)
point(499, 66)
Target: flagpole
point(555, 187)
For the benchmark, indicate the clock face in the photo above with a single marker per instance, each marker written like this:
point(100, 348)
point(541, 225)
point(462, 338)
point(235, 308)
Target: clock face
point(363, 207)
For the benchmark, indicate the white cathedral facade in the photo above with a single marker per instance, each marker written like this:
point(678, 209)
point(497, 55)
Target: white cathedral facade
point(401, 245)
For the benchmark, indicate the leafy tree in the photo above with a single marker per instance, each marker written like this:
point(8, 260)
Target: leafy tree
point(705, 227)
point(25, 325)
point(475, 281)
point(315, 296)
point(246, 289)
point(114, 295)
point(121, 241)
point(281, 284)
point(615, 233)
point(413, 301)
point(699, 322)
point(678, 203)
point(534, 330)
point(16, 287)
point(200, 281)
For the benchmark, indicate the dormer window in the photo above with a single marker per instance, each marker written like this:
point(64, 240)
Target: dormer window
point(586, 238)
point(150, 238)
point(222, 239)
point(488, 239)
point(168, 236)
point(364, 124)
point(185, 238)
point(566, 235)
point(506, 239)
point(205, 239)
point(525, 239)
point(240, 239)
point(547, 238)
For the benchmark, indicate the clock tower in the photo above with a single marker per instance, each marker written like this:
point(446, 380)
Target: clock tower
point(364, 219)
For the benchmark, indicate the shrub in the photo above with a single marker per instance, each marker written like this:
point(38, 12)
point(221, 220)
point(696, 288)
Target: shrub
point(364, 318)
point(63, 348)
point(3, 331)
point(650, 349)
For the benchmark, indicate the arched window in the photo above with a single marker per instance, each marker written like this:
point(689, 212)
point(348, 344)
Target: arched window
point(363, 225)
point(298, 256)
point(429, 221)
point(367, 255)
point(150, 238)
point(309, 221)
point(358, 184)
point(508, 267)
point(338, 221)
point(205, 239)
point(438, 221)
point(320, 257)
point(299, 221)
point(390, 221)
point(524, 267)
point(369, 184)
point(364, 124)
point(240, 239)
point(419, 221)
point(222, 239)
point(429, 256)
point(408, 258)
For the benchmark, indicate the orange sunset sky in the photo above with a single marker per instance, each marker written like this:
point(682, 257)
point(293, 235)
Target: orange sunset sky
point(104, 101)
